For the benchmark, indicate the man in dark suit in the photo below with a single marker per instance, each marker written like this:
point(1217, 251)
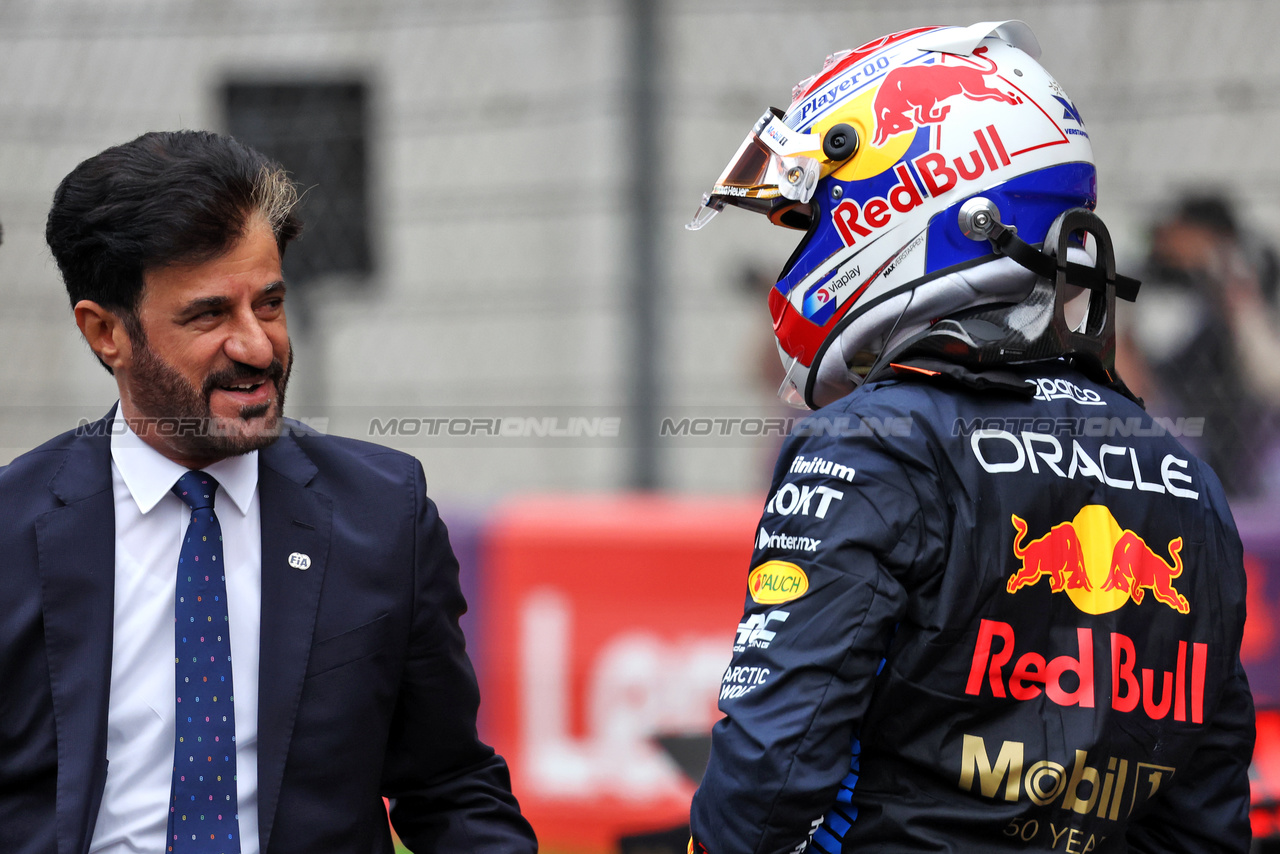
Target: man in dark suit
point(335, 672)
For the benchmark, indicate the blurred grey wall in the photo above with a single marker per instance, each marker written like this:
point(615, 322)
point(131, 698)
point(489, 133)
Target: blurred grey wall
point(499, 195)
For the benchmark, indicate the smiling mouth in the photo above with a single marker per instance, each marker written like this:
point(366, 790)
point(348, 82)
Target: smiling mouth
point(252, 397)
point(247, 391)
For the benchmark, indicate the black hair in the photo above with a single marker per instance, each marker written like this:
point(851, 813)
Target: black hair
point(173, 197)
point(1209, 211)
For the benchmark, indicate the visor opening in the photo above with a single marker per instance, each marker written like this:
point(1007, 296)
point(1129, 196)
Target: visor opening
point(797, 215)
point(813, 212)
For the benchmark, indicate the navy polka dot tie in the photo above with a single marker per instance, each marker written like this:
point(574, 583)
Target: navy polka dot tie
point(202, 811)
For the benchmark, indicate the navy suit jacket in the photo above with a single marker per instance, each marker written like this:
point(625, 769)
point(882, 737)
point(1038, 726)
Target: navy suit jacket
point(365, 689)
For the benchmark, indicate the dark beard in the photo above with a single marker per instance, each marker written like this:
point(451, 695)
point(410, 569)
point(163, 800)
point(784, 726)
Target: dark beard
point(177, 414)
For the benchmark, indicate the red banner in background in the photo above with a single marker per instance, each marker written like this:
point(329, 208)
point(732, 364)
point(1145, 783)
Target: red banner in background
point(607, 621)
point(1260, 533)
point(1260, 652)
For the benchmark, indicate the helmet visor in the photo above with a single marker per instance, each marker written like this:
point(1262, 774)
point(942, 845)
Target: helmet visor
point(773, 166)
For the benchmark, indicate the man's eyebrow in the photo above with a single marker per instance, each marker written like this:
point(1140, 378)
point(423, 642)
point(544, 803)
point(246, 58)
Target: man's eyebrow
point(203, 304)
point(197, 306)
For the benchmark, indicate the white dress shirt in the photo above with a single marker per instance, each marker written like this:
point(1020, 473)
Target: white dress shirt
point(150, 522)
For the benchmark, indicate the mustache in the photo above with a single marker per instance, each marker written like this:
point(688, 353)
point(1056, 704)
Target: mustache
point(239, 373)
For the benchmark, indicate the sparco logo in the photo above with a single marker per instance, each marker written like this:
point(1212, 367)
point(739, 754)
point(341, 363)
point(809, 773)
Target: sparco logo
point(1048, 388)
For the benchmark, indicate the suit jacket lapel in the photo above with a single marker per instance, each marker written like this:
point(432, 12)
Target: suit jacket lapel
point(295, 520)
point(77, 573)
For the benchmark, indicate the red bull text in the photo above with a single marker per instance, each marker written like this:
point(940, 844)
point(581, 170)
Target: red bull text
point(1179, 691)
point(936, 178)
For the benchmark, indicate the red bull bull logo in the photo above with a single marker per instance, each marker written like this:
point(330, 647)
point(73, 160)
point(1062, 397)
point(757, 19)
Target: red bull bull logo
point(914, 95)
point(1097, 564)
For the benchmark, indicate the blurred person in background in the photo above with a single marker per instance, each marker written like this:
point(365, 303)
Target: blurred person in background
point(221, 632)
point(1209, 341)
point(990, 607)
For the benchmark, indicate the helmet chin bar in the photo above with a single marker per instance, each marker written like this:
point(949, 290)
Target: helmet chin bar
point(1036, 328)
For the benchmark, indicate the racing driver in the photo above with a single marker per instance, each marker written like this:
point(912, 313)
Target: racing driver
point(993, 605)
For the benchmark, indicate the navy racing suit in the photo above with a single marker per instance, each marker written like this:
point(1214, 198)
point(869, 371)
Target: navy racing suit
point(985, 612)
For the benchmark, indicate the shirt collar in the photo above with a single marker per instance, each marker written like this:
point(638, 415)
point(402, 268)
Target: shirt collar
point(149, 475)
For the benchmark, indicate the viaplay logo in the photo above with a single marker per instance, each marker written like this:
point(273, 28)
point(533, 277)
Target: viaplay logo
point(1099, 565)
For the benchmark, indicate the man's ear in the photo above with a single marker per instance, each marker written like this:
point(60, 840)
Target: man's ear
point(105, 331)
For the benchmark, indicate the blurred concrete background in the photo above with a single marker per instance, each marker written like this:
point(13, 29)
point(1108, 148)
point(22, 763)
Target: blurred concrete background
point(481, 203)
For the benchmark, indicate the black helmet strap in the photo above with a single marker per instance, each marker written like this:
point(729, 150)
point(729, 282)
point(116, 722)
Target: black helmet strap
point(988, 336)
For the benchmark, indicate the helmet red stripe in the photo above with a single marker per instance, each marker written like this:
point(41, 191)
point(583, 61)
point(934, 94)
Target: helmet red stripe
point(858, 55)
